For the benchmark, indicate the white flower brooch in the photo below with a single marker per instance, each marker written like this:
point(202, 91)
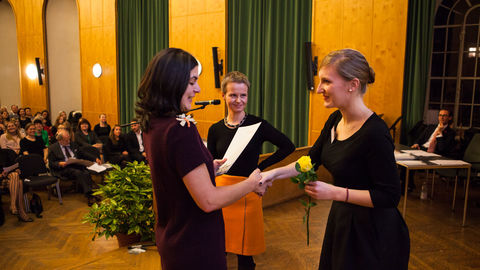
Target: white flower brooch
point(185, 119)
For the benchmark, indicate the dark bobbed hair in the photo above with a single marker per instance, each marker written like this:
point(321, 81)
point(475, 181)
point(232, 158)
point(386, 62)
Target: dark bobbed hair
point(163, 85)
point(350, 64)
point(84, 121)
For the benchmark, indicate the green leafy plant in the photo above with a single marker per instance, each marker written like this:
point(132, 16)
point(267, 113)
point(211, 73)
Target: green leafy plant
point(305, 167)
point(127, 205)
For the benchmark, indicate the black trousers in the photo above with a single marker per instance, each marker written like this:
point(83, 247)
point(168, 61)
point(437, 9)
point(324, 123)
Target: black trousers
point(79, 175)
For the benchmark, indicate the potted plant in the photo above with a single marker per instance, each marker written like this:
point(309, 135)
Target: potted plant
point(127, 206)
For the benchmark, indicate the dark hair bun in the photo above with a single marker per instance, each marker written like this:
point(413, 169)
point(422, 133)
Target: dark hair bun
point(371, 76)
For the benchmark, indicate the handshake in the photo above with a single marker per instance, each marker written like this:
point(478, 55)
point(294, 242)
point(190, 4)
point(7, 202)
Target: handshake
point(260, 181)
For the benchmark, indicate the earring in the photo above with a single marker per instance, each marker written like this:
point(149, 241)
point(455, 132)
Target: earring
point(350, 90)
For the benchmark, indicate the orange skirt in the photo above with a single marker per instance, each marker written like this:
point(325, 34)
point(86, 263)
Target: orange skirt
point(243, 221)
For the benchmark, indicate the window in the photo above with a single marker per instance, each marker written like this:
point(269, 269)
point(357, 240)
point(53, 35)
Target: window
point(454, 80)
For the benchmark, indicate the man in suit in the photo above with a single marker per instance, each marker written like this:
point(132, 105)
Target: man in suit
point(59, 153)
point(440, 138)
point(134, 140)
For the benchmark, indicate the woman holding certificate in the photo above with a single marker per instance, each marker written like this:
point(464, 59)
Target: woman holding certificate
point(239, 138)
point(189, 226)
point(364, 230)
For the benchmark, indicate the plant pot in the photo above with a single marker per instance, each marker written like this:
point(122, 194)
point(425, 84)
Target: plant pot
point(127, 239)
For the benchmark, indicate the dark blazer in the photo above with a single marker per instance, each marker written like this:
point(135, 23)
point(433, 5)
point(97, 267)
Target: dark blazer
point(133, 147)
point(55, 155)
point(445, 144)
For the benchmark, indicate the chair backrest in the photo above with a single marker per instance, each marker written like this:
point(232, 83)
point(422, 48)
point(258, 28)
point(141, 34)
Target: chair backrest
point(32, 164)
point(472, 153)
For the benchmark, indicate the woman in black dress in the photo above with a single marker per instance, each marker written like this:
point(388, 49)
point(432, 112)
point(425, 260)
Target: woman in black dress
point(116, 147)
point(365, 229)
point(102, 129)
point(244, 232)
point(32, 144)
point(189, 228)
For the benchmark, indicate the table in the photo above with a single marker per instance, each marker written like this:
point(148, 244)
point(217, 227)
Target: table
point(428, 165)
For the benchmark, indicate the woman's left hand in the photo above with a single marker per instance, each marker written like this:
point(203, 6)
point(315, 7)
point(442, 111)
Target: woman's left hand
point(217, 163)
point(320, 190)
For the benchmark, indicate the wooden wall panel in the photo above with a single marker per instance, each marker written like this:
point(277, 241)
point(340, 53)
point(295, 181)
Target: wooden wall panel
point(29, 16)
point(377, 28)
point(196, 26)
point(97, 22)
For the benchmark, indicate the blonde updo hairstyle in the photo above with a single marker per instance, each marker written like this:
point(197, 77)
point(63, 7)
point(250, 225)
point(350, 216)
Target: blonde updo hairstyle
point(350, 64)
point(234, 77)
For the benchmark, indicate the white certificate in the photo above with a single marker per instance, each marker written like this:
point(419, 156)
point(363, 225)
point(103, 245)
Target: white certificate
point(237, 145)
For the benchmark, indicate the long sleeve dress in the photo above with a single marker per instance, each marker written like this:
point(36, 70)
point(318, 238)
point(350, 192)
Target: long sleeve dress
point(360, 237)
point(244, 219)
point(186, 236)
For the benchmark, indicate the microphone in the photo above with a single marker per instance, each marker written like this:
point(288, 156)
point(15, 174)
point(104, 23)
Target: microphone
point(208, 102)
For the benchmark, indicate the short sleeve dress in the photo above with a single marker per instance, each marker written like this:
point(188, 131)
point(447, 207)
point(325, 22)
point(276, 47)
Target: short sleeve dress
point(186, 236)
point(360, 237)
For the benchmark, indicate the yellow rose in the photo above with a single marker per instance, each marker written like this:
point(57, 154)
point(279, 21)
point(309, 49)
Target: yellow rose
point(305, 163)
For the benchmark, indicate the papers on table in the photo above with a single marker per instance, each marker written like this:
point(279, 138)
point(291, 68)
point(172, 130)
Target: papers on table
point(449, 162)
point(411, 162)
point(403, 156)
point(420, 153)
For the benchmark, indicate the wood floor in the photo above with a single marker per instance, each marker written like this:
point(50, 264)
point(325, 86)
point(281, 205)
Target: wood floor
point(60, 241)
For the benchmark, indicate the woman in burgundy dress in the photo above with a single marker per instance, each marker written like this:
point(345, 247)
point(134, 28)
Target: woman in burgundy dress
point(189, 225)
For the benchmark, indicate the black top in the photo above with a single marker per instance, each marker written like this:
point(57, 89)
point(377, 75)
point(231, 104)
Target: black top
point(86, 140)
point(360, 237)
point(102, 131)
point(35, 147)
point(186, 236)
point(113, 149)
point(220, 136)
point(23, 123)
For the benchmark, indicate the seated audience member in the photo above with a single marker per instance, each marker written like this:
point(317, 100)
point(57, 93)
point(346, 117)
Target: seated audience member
point(11, 138)
point(28, 112)
point(19, 127)
point(33, 144)
point(24, 120)
point(134, 140)
point(439, 138)
point(116, 147)
point(73, 118)
point(59, 121)
point(5, 116)
point(84, 136)
point(39, 131)
point(2, 128)
point(46, 117)
point(102, 129)
point(14, 113)
point(59, 153)
point(15, 185)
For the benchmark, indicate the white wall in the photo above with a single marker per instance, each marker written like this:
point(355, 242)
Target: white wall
point(9, 73)
point(63, 50)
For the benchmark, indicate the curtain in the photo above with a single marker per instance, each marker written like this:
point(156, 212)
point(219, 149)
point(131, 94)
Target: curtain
point(142, 29)
point(421, 15)
point(266, 42)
